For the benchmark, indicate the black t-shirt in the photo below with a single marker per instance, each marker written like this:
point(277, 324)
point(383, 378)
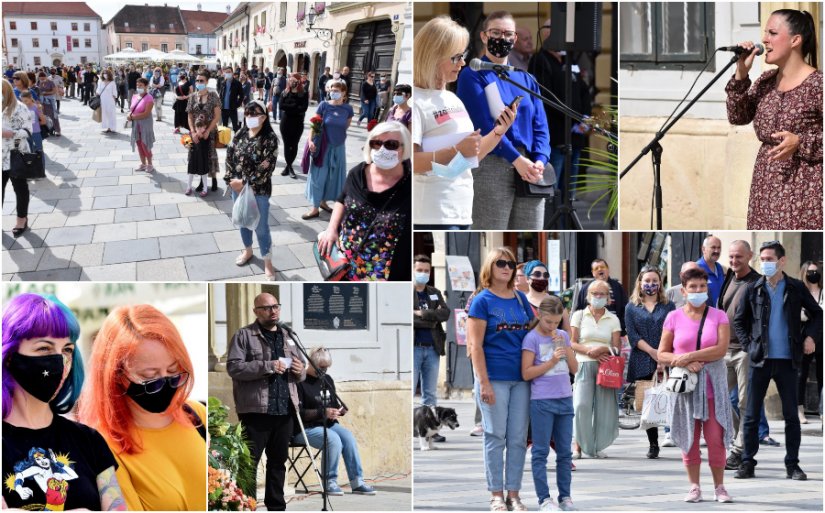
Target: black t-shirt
point(58, 464)
point(389, 237)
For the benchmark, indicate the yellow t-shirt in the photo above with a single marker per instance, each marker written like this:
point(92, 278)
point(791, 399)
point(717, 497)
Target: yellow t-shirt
point(170, 473)
point(593, 333)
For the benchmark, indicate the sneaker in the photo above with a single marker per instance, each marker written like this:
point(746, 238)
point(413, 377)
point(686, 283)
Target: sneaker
point(334, 489)
point(188, 191)
point(566, 504)
point(364, 489)
point(668, 441)
point(796, 473)
point(745, 470)
point(140, 167)
point(769, 441)
point(721, 495)
point(694, 495)
point(548, 504)
point(600, 455)
point(439, 438)
point(203, 193)
point(733, 462)
point(477, 431)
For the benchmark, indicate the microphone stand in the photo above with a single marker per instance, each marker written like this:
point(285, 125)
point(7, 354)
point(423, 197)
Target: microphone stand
point(324, 403)
point(655, 148)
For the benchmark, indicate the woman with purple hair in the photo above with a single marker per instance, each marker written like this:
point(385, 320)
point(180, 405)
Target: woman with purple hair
point(56, 463)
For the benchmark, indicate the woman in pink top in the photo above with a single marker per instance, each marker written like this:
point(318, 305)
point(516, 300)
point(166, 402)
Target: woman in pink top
point(697, 411)
point(143, 131)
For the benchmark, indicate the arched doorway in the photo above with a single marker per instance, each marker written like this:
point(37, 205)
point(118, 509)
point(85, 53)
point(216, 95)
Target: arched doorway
point(280, 60)
point(371, 48)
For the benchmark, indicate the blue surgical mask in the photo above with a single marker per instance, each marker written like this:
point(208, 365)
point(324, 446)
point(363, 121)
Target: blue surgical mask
point(768, 268)
point(451, 171)
point(398, 99)
point(598, 302)
point(697, 299)
point(200, 87)
point(422, 278)
point(335, 95)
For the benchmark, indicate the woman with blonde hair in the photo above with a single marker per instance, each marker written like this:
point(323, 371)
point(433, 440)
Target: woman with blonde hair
point(17, 125)
point(446, 145)
point(499, 319)
point(644, 319)
point(596, 332)
point(138, 399)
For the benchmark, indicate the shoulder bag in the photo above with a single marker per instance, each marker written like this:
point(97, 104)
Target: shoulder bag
point(26, 165)
point(681, 380)
point(544, 189)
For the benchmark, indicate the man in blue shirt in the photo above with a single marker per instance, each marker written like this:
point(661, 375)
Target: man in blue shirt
point(711, 250)
point(768, 325)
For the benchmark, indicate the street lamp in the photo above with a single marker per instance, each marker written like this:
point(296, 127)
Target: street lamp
point(320, 33)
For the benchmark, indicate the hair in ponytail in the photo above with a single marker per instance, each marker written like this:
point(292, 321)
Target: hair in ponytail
point(550, 305)
point(802, 23)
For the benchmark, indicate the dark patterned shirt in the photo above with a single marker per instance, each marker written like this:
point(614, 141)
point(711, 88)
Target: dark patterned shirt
point(252, 159)
point(278, 383)
point(647, 326)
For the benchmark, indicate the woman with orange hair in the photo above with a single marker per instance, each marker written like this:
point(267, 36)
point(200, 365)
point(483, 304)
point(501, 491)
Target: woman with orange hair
point(137, 400)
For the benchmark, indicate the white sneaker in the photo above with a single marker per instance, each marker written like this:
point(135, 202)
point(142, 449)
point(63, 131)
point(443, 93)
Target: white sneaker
point(566, 504)
point(548, 504)
point(601, 455)
point(668, 441)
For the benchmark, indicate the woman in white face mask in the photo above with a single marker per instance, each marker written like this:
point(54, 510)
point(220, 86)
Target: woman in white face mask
point(370, 222)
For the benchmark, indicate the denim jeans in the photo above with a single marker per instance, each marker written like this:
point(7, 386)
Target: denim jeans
point(425, 366)
point(505, 425)
point(552, 419)
point(262, 230)
point(276, 99)
point(367, 110)
point(764, 429)
point(785, 376)
point(339, 441)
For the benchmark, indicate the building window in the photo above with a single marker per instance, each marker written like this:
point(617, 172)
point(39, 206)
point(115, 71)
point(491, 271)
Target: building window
point(75, 43)
point(13, 42)
point(53, 25)
point(34, 25)
point(666, 35)
point(15, 61)
point(128, 44)
point(144, 47)
point(282, 15)
point(37, 61)
point(198, 49)
point(87, 43)
point(87, 27)
point(74, 27)
point(164, 47)
point(55, 44)
point(263, 19)
point(178, 46)
point(223, 42)
point(152, 26)
point(12, 25)
point(125, 23)
point(302, 7)
point(35, 43)
point(83, 60)
point(255, 23)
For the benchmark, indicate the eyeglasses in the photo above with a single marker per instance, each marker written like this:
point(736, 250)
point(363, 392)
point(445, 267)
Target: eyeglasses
point(497, 33)
point(455, 59)
point(253, 113)
point(390, 144)
point(268, 308)
point(153, 386)
point(539, 275)
point(501, 264)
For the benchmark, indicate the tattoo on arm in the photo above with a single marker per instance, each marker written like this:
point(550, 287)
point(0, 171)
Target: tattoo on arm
point(111, 498)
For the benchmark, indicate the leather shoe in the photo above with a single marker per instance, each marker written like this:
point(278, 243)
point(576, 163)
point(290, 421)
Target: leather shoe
point(745, 471)
point(733, 462)
point(653, 452)
point(285, 172)
point(439, 438)
point(769, 441)
point(796, 473)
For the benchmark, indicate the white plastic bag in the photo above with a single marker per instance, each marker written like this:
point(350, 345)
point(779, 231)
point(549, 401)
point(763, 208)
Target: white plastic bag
point(245, 213)
point(657, 407)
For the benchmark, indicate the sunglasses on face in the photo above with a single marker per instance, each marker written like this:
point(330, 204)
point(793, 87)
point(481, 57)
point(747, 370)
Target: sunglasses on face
point(153, 386)
point(501, 264)
point(455, 59)
point(390, 145)
point(539, 275)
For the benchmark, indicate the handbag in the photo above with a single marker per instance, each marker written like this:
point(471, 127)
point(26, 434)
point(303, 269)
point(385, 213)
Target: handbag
point(658, 405)
point(26, 165)
point(611, 372)
point(642, 386)
point(681, 380)
point(544, 189)
point(94, 102)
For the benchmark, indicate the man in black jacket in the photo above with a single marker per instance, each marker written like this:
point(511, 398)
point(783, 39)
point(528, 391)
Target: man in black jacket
point(429, 311)
point(768, 324)
point(231, 94)
point(89, 79)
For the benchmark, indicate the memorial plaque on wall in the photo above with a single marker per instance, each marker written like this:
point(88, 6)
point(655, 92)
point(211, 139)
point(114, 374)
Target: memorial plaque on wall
point(330, 306)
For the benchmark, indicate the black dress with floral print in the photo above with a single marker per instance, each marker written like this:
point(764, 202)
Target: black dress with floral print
point(252, 159)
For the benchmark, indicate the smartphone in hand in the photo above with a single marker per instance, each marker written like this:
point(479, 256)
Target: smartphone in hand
point(513, 106)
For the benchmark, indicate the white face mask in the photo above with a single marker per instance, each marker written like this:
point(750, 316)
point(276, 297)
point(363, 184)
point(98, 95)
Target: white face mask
point(227, 76)
point(384, 158)
point(335, 95)
point(253, 122)
point(140, 90)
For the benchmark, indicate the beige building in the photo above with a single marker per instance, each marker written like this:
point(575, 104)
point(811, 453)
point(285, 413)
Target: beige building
point(145, 27)
point(707, 162)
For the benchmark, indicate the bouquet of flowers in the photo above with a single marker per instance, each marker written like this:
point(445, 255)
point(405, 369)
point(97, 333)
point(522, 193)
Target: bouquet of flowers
point(224, 493)
point(186, 140)
point(316, 127)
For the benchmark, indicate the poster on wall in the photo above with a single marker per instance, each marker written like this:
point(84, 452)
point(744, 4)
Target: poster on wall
point(460, 271)
point(330, 306)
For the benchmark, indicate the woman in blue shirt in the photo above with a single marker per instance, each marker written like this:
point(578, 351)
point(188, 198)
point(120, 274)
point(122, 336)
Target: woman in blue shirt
point(525, 147)
point(326, 181)
point(498, 323)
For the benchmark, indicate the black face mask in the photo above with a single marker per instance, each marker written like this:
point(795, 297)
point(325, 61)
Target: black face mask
point(813, 276)
point(41, 376)
point(500, 47)
point(539, 285)
point(153, 403)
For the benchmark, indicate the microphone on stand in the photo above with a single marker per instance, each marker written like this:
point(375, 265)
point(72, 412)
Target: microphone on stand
point(760, 49)
point(479, 65)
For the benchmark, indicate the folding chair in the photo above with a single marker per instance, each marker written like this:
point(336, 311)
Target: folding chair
point(300, 460)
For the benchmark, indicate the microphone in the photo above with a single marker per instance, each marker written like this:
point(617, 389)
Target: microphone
point(740, 50)
point(284, 327)
point(479, 65)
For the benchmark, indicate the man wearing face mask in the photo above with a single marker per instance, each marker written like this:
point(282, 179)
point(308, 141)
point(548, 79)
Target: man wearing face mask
point(266, 367)
point(524, 149)
point(768, 325)
point(711, 250)
point(429, 311)
point(231, 93)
